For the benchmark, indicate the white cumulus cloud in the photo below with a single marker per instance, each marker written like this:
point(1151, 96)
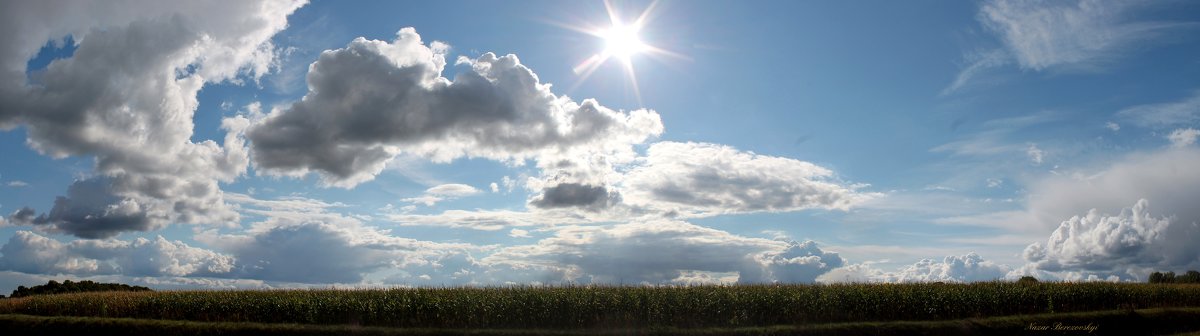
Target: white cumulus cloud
point(1128, 245)
point(127, 96)
point(29, 252)
point(442, 192)
point(701, 179)
point(664, 251)
point(970, 267)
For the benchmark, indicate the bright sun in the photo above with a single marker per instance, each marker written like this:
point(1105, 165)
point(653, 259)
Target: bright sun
point(623, 41)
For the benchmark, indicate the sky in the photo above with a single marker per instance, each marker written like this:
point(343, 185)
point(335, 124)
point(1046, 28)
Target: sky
point(284, 144)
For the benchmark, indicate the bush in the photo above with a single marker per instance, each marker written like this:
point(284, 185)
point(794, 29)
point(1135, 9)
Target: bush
point(1027, 280)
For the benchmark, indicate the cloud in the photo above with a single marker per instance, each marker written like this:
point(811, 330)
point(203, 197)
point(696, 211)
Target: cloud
point(489, 220)
point(700, 179)
point(441, 193)
point(969, 267)
point(29, 252)
point(127, 94)
point(1186, 111)
point(308, 253)
point(1164, 177)
point(663, 251)
point(800, 262)
point(90, 210)
point(304, 240)
point(994, 138)
point(1129, 245)
point(1059, 35)
point(518, 233)
point(577, 195)
point(1082, 34)
point(978, 63)
point(493, 108)
point(1183, 137)
point(1036, 155)
point(17, 184)
point(1112, 126)
point(673, 180)
point(452, 190)
point(1078, 207)
point(1088, 241)
point(854, 273)
point(965, 268)
point(347, 252)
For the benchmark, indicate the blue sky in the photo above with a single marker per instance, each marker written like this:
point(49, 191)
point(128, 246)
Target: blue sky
point(278, 144)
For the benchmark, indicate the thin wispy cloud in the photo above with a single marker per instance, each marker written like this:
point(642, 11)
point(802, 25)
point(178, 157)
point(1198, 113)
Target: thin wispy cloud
point(1158, 115)
point(1078, 35)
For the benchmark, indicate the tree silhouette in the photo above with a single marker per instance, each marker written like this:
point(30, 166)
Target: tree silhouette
point(1191, 277)
point(68, 286)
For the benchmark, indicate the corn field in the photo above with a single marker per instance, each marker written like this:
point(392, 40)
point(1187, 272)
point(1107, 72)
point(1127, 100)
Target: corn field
point(613, 307)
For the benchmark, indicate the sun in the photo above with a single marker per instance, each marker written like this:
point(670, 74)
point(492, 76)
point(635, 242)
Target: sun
point(622, 41)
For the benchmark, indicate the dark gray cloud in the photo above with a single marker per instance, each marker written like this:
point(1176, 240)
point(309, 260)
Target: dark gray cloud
point(373, 99)
point(90, 210)
point(23, 216)
point(567, 195)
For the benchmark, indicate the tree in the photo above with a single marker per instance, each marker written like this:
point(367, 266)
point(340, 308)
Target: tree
point(1156, 277)
point(1189, 277)
point(68, 286)
point(1027, 280)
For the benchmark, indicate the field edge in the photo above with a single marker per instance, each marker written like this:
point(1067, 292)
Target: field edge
point(1112, 322)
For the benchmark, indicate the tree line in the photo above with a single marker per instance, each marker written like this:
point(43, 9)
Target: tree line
point(1191, 277)
point(68, 286)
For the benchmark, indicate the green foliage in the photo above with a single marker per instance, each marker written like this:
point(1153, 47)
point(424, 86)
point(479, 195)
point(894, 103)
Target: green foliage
point(1191, 277)
point(68, 286)
point(614, 307)
point(1027, 280)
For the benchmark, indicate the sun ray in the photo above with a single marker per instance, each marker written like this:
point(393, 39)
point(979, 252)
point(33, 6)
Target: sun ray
point(641, 20)
point(586, 68)
point(637, 93)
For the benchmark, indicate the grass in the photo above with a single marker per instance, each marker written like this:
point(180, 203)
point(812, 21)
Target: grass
point(764, 309)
